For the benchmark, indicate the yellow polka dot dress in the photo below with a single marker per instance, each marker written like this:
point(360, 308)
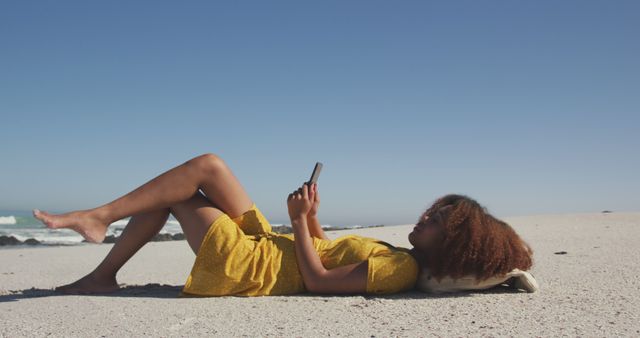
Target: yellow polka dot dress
point(242, 257)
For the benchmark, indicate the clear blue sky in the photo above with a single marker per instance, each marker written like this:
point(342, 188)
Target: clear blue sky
point(528, 107)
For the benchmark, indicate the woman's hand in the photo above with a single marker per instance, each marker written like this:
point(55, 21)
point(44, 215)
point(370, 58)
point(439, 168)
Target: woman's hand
point(300, 202)
point(315, 200)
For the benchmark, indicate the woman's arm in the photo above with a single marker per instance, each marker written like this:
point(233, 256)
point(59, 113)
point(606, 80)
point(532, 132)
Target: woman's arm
point(351, 278)
point(347, 278)
point(312, 216)
point(308, 260)
point(315, 228)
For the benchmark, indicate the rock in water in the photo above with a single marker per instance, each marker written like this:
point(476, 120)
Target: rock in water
point(9, 240)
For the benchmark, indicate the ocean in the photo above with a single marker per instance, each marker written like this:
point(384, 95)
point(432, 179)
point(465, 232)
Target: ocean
point(22, 225)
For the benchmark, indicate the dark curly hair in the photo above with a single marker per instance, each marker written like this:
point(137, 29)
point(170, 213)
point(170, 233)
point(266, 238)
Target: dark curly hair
point(475, 243)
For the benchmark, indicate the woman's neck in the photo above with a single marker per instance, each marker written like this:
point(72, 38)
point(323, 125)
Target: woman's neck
point(418, 255)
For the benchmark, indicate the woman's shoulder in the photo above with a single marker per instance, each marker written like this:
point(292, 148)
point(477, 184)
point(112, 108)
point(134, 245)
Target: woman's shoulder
point(392, 271)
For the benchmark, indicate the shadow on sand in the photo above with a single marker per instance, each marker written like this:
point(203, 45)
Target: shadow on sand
point(152, 290)
point(155, 290)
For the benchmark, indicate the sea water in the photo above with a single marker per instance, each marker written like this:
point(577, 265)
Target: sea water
point(22, 225)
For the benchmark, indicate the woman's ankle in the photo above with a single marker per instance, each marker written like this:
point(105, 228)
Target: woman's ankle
point(103, 276)
point(102, 214)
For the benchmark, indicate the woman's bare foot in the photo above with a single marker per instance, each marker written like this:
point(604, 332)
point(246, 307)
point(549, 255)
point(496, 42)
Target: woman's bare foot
point(85, 222)
point(90, 284)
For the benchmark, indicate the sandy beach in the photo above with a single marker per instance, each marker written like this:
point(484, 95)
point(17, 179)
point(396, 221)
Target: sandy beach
point(585, 264)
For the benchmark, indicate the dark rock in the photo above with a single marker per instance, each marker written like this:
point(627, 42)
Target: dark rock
point(161, 238)
point(560, 253)
point(32, 241)
point(9, 240)
point(156, 238)
point(340, 228)
point(109, 239)
point(178, 237)
point(282, 229)
point(286, 229)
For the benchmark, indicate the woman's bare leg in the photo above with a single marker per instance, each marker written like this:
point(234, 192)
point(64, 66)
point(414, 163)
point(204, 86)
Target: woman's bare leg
point(195, 216)
point(139, 230)
point(207, 172)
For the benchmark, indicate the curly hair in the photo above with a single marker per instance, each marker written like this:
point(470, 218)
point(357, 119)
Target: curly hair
point(475, 243)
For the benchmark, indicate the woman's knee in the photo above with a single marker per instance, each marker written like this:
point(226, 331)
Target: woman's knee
point(207, 163)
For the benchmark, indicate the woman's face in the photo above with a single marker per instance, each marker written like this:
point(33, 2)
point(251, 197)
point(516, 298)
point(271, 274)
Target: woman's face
point(429, 231)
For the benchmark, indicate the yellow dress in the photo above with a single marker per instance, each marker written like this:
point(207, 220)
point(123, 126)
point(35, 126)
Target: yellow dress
point(242, 257)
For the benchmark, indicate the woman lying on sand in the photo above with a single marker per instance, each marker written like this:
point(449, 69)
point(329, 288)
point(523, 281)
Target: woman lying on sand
point(238, 254)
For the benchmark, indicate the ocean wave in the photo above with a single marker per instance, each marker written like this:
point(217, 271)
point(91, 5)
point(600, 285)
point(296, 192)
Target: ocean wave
point(8, 220)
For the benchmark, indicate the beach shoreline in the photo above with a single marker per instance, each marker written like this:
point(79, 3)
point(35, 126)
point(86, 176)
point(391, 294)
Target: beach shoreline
point(12, 241)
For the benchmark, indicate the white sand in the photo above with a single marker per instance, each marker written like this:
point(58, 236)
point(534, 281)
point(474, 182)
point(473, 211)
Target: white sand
point(593, 290)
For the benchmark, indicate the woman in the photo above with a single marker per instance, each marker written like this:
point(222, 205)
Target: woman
point(238, 254)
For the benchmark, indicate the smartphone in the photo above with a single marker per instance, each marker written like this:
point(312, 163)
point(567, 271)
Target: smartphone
point(315, 174)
